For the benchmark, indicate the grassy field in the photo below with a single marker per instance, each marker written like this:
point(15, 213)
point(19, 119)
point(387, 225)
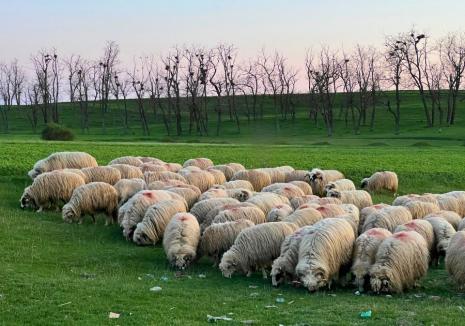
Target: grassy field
point(56, 273)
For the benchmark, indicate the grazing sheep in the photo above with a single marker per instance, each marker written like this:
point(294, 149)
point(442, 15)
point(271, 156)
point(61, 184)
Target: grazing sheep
point(128, 171)
point(151, 167)
point(218, 209)
point(225, 169)
point(202, 208)
point(318, 179)
point(106, 174)
point(135, 208)
point(419, 209)
point(403, 200)
point(76, 171)
point(443, 232)
point(387, 218)
point(236, 167)
point(340, 185)
point(327, 211)
point(461, 225)
point(366, 211)
point(127, 188)
point(62, 160)
point(213, 193)
point(452, 217)
point(365, 249)
point(267, 200)
point(255, 248)
point(424, 228)
point(284, 189)
point(202, 163)
point(151, 229)
point(150, 177)
point(204, 180)
point(304, 217)
point(323, 252)
point(92, 198)
point(279, 212)
point(455, 259)
point(449, 203)
point(385, 180)
point(276, 175)
point(149, 159)
point(49, 189)
point(305, 187)
point(253, 214)
point(160, 185)
point(283, 268)
point(191, 195)
point(401, 260)
point(296, 175)
point(219, 237)
point(219, 176)
point(181, 239)
point(258, 179)
point(129, 160)
point(240, 194)
point(460, 196)
point(359, 198)
point(296, 202)
point(243, 184)
point(172, 167)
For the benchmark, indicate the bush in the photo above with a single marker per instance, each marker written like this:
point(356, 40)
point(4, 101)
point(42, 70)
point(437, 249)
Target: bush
point(55, 131)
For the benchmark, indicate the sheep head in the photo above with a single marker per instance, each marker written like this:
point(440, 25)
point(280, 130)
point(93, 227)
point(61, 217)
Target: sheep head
point(69, 213)
point(364, 183)
point(27, 201)
point(228, 265)
point(244, 195)
point(334, 193)
point(380, 281)
point(442, 246)
point(183, 260)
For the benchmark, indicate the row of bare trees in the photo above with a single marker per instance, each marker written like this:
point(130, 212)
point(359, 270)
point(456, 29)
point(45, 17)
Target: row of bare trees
point(192, 88)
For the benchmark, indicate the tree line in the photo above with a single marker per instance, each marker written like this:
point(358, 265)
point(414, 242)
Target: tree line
point(191, 85)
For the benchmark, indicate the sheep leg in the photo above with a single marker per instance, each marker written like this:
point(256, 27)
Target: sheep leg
point(40, 209)
point(265, 276)
point(249, 273)
point(93, 218)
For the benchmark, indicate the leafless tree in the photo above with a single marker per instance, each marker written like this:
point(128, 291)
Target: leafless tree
point(271, 79)
point(250, 83)
point(85, 79)
point(42, 61)
point(72, 67)
point(139, 80)
point(288, 79)
point(172, 79)
point(33, 101)
point(55, 93)
point(107, 66)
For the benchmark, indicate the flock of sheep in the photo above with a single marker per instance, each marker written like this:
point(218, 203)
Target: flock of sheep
point(312, 228)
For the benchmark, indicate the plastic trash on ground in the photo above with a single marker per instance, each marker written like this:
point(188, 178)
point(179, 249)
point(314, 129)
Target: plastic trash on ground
point(214, 319)
point(113, 315)
point(155, 289)
point(365, 314)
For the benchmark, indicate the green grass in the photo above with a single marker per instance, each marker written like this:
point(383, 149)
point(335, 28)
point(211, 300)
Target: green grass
point(56, 273)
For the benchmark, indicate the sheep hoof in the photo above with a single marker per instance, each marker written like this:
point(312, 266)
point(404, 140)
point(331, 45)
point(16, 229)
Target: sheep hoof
point(40, 210)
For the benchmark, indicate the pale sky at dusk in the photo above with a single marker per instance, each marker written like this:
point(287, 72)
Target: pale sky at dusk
point(146, 27)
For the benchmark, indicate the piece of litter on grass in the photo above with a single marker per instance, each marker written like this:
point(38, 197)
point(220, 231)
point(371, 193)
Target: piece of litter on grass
point(332, 295)
point(254, 294)
point(230, 313)
point(357, 293)
point(214, 319)
point(164, 278)
point(388, 296)
point(150, 275)
point(280, 300)
point(291, 302)
point(434, 297)
point(63, 304)
point(460, 307)
point(202, 276)
point(172, 308)
point(271, 306)
point(155, 289)
point(139, 278)
point(113, 315)
point(253, 286)
point(248, 322)
point(365, 314)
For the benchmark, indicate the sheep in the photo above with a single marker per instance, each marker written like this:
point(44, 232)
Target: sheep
point(92, 198)
point(189, 194)
point(202, 163)
point(236, 167)
point(75, 171)
point(283, 267)
point(461, 225)
point(255, 248)
point(359, 198)
point(135, 208)
point(449, 203)
point(244, 184)
point(419, 209)
point(296, 175)
point(305, 187)
point(49, 189)
point(340, 185)
point(172, 167)
point(129, 160)
point(219, 237)
point(257, 178)
point(150, 167)
point(106, 174)
point(424, 228)
point(403, 200)
point(128, 171)
point(303, 217)
point(160, 185)
point(149, 159)
point(150, 230)
point(352, 213)
point(62, 160)
point(276, 175)
point(267, 200)
point(150, 177)
point(227, 171)
point(213, 193)
point(181, 239)
point(253, 214)
point(460, 196)
point(126, 188)
point(207, 221)
point(278, 212)
point(219, 176)
point(366, 211)
point(387, 218)
point(365, 249)
point(284, 189)
point(323, 252)
point(401, 260)
point(318, 179)
point(296, 202)
point(204, 180)
point(385, 180)
point(327, 211)
point(201, 208)
point(455, 258)
point(443, 232)
point(452, 217)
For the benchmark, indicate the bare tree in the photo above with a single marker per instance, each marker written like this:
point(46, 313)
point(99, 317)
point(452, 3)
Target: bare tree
point(172, 76)
point(107, 66)
point(139, 79)
point(85, 78)
point(33, 101)
point(72, 66)
point(42, 61)
point(55, 93)
point(271, 79)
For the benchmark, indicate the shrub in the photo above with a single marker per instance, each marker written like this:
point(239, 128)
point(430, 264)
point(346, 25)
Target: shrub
point(55, 131)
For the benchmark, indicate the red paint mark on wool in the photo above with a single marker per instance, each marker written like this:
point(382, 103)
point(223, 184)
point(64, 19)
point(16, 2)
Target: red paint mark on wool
point(401, 236)
point(287, 188)
point(378, 206)
point(375, 233)
point(148, 194)
point(321, 208)
point(183, 218)
point(411, 225)
point(279, 206)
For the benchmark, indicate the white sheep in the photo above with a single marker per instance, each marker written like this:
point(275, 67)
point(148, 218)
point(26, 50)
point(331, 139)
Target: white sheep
point(62, 160)
point(127, 188)
point(359, 198)
point(318, 179)
point(384, 180)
